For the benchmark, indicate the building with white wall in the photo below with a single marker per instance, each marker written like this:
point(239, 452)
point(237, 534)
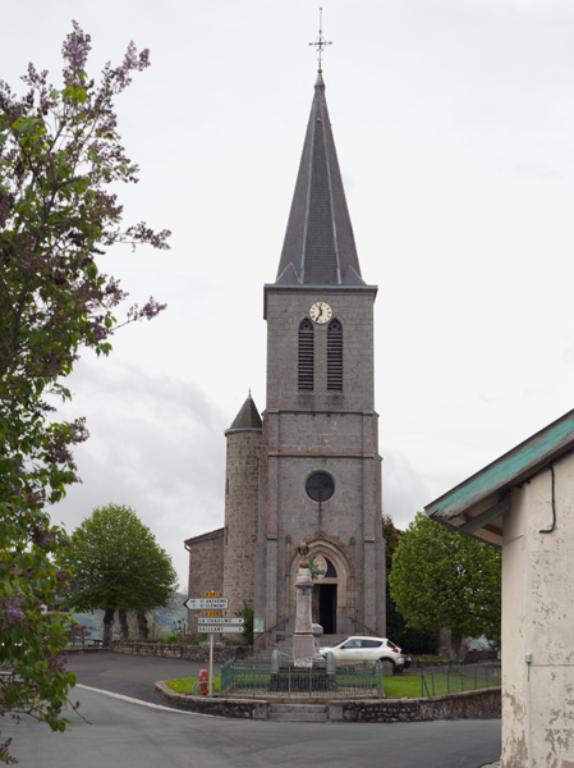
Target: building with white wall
point(524, 503)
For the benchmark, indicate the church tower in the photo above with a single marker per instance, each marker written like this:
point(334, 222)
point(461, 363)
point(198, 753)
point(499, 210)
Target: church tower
point(241, 504)
point(320, 471)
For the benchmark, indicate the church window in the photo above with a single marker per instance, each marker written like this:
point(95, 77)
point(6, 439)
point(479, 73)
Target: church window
point(335, 356)
point(306, 355)
point(320, 486)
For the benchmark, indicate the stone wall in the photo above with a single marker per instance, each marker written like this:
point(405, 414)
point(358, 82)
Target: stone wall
point(205, 567)
point(252, 709)
point(336, 432)
point(241, 506)
point(198, 653)
point(482, 704)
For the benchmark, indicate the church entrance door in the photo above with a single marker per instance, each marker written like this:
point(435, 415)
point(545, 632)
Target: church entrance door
point(325, 607)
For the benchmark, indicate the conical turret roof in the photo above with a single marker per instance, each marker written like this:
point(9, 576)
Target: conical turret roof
point(319, 246)
point(248, 417)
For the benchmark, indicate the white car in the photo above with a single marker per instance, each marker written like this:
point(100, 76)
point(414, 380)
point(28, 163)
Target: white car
point(358, 650)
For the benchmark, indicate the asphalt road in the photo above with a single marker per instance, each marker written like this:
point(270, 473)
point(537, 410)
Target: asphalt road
point(130, 675)
point(122, 734)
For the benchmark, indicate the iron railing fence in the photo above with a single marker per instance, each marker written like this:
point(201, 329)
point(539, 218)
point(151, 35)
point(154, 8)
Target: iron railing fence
point(250, 678)
point(438, 681)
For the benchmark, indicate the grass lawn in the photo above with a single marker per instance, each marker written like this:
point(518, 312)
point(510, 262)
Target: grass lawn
point(396, 686)
point(185, 684)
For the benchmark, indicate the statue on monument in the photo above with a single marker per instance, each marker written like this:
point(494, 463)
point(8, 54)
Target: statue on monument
point(305, 647)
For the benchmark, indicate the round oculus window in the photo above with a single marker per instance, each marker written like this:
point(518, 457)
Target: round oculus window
point(320, 486)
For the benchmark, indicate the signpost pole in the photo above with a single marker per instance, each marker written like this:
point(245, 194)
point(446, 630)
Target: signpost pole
point(211, 664)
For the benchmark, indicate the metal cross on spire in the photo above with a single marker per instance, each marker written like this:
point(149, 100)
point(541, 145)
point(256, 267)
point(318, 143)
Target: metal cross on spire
point(320, 43)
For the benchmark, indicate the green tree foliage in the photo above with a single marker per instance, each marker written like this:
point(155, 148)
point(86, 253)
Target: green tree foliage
point(59, 153)
point(117, 565)
point(410, 640)
point(440, 578)
point(246, 613)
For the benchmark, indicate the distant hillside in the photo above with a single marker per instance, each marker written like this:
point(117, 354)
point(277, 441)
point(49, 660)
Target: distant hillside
point(162, 621)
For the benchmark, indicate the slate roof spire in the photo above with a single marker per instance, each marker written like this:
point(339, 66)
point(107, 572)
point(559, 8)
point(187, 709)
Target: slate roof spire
point(319, 246)
point(247, 419)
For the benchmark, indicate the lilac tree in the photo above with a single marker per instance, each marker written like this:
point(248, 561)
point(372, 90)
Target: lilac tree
point(60, 152)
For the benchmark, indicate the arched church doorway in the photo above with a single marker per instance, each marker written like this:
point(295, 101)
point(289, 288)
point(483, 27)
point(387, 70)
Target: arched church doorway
point(325, 594)
point(332, 602)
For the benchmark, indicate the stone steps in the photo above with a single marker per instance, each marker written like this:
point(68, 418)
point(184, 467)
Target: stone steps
point(299, 713)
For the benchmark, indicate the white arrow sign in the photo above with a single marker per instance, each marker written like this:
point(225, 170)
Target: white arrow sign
point(217, 628)
point(205, 603)
point(220, 620)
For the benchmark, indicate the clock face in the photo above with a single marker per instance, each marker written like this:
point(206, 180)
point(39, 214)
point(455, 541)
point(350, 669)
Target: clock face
point(320, 312)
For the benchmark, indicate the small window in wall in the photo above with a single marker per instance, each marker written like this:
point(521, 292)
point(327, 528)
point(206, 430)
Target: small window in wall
point(335, 356)
point(306, 356)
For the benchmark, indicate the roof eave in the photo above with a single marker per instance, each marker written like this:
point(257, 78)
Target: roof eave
point(486, 488)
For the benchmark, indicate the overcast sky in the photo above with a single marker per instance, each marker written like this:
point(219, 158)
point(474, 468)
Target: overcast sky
point(454, 124)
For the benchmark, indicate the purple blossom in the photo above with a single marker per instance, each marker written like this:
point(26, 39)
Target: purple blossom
point(141, 233)
point(13, 609)
point(152, 308)
point(149, 310)
point(75, 48)
point(113, 292)
point(57, 663)
point(59, 452)
point(43, 537)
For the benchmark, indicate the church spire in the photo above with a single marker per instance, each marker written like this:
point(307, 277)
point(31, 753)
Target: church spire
point(319, 246)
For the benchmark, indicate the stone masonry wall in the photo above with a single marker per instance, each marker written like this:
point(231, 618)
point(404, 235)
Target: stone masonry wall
point(322, 430)
point(482, 704)
point(241, 506)
point(196, 653)
point(205, 567)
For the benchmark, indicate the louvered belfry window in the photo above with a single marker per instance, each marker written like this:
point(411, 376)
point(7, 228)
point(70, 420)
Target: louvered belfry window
point(306, 354)
point(335, 356)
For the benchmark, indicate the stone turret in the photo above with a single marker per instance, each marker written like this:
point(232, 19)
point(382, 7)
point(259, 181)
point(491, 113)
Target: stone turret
point(241, 505)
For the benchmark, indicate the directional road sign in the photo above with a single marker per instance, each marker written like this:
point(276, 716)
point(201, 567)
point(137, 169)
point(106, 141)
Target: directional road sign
point(217, 628)
point(227, 620)
point(205, 603)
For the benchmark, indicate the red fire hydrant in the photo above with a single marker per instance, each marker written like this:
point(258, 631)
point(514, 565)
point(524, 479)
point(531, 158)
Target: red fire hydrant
point(203, 682)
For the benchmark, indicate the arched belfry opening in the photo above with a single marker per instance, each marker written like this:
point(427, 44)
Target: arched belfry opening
point(335, 356)
point(306, 362)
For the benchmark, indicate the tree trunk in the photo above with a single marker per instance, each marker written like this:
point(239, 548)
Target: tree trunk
point(462, 649)
point(143, 628)
point(124, 627)
point(108, 626)
point(452, 647)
